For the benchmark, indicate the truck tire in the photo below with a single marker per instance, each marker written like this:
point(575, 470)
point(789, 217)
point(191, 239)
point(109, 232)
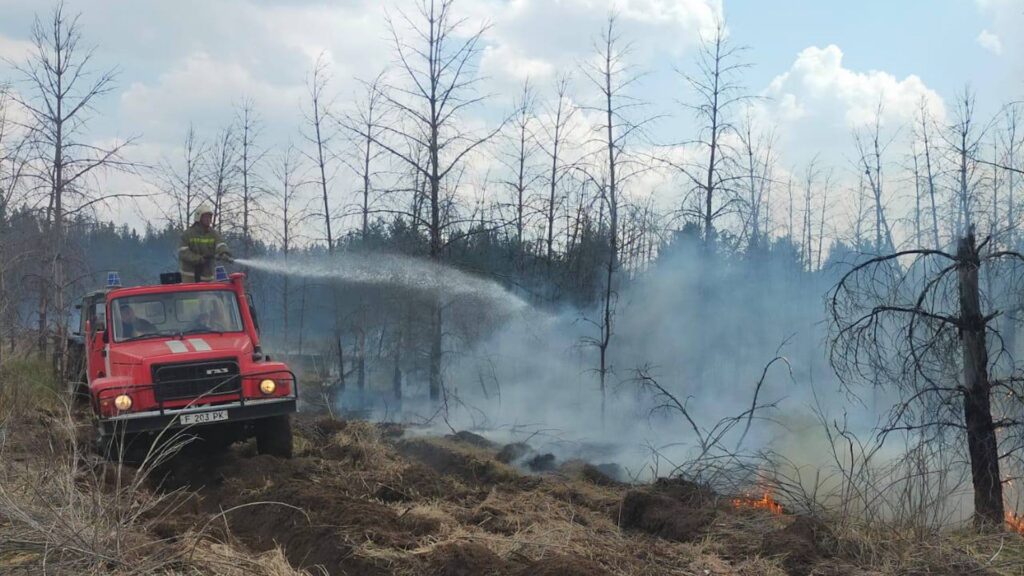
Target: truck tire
point(274, 436)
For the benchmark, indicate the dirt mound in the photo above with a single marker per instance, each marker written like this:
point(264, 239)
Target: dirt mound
point(542, 463)
point(599, 475)
point(452, 459)
point(470, 438)
point(798, 544)
point(414, 482)
point(559, 565)
point(673, 509)
point(465, 559)
point(509, 453)
point(268, 502)
point(390, 430)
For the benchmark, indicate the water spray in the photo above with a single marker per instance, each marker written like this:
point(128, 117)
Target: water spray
point(393, 270)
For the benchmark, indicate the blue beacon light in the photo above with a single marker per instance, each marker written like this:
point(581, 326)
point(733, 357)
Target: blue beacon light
point(113, 280)
point(220, 273)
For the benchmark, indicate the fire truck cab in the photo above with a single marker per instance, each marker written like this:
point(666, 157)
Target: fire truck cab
point(173, 358)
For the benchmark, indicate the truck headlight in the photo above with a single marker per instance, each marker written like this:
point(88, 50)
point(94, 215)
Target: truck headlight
point(123, 402)
point(268, 386)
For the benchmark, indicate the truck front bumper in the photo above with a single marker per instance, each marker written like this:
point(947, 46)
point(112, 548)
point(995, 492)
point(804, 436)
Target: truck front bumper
point(170, 419)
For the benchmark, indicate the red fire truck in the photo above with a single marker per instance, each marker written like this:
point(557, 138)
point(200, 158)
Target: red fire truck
point(173, 358)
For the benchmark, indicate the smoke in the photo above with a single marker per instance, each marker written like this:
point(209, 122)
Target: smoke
point(705, 331)
point(709, 332)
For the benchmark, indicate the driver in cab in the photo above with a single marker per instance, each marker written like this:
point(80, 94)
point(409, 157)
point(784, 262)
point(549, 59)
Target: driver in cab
point(132, 325)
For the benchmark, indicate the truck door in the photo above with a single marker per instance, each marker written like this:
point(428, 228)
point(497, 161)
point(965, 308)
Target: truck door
point(95, 357)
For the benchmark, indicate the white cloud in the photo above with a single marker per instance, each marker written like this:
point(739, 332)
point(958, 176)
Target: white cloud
point(990, 42)
point(199, 89)
point(14, 50)
point(819, 88)
point(818, 102)
point(541, 37)
point(1006, 20)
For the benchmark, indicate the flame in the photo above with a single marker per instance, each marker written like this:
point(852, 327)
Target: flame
point(766, 502)
point(1015, 522)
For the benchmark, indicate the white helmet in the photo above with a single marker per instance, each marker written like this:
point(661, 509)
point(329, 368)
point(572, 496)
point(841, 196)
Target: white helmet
point(202, 209)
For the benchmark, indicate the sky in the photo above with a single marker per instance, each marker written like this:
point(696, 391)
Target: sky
point(821, 68)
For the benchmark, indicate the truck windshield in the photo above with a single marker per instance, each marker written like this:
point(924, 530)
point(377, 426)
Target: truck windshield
point(174, 313)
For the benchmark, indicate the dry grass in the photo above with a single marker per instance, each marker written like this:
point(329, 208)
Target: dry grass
point(64, 511)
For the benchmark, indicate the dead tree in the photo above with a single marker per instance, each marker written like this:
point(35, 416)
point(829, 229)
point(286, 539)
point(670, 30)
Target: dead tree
point(319, 133)
point(61, 91)
point(811, 176)
point(1012, 141)
point(758, 169)
point(911, 321)
point(923, 135)
point(320, 136)
point(223, 172)
point(521, 148)
point(435, 63)
point(184, 182)
point(13, 172)
point(964, 138)
point(288, 173)
point(612, 76)
point(250, 155)
point(717, 91)
point(556, 135)
point(365, 125)
point(870, 151)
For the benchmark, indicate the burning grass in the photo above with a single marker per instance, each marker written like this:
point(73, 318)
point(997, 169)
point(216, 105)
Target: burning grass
point(765, 502)
point(1015, 522)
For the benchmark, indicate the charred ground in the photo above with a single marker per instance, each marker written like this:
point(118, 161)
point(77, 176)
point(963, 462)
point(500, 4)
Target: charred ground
point(364, 498)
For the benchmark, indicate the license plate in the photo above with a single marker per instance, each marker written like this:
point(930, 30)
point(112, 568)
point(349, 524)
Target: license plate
point(204, 417)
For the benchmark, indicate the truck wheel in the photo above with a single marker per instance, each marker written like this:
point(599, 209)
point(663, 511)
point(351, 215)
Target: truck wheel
point(274, 436)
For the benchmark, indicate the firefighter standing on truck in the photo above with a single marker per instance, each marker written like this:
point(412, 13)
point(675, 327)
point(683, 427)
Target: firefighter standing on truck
point(200, 246)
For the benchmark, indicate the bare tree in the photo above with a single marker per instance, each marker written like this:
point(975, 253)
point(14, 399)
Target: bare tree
point(184, 182)
point(811, 176)
point(223, 174)
point(365, 124)
point(556, 135)
point(718, 91)
point(248, 128)
point(870, 151)
point(320, 137)
point(964, 138)
point(435, 61)
point(60, 96)
point(758, 152)
point(518, 158)
point(612, 76)
point(13, 171)
point(319, 133)
point(923, 136)
point(1012, 141)
point(909, 321)
point(287, 173)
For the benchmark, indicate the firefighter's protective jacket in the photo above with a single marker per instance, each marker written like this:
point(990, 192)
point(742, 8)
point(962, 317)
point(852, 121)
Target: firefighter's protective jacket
point(200, 246)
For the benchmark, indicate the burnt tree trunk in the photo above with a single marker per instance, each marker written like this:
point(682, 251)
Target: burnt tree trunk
point(981, 436)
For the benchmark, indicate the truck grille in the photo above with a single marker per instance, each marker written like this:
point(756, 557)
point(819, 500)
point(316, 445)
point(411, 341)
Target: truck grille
point(186, 381)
